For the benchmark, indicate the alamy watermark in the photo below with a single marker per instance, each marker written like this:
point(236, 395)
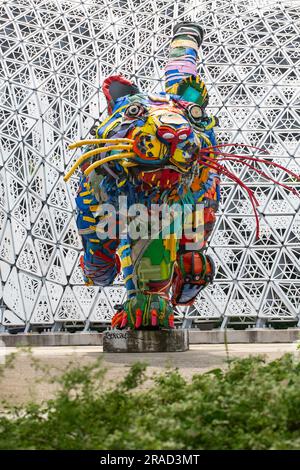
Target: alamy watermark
point(139, 221)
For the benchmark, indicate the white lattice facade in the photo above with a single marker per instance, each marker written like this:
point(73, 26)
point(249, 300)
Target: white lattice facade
point(54, 56)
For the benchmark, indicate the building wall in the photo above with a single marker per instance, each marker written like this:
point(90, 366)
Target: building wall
point(54, 55)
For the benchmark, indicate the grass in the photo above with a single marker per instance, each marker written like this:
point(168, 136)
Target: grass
point(250, 405)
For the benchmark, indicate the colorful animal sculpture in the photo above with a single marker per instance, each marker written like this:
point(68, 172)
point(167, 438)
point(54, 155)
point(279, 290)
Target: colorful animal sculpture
point(154, 149)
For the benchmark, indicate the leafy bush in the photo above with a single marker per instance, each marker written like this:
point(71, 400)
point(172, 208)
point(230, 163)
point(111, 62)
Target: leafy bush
point(250, 405)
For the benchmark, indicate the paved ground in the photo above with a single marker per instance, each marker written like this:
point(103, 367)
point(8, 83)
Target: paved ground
point(26, 380)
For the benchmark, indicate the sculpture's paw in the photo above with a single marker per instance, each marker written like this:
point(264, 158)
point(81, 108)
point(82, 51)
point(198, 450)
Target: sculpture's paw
point(144, 311)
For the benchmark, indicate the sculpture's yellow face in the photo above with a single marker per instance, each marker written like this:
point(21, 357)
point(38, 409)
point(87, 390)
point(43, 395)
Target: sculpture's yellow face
point(165, 136)
point(153, 140)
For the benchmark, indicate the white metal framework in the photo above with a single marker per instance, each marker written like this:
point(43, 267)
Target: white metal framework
point(54, 55)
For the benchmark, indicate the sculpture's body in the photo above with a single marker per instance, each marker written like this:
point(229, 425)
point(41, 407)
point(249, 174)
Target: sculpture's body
point(154, 149)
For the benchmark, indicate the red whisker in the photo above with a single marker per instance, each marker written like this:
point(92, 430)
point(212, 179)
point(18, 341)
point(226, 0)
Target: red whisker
point(219, 154)
point(234, 145)
point(231, 175)
point(262, 173)
point(255, 159)
point(221, 169)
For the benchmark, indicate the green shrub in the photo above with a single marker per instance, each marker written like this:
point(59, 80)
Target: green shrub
point(250, 405)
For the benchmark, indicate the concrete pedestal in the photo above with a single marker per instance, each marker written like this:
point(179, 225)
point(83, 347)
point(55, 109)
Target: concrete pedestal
point(135, 341)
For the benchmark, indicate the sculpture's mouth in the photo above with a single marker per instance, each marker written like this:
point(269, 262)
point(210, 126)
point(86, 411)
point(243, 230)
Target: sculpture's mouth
point(162, 178)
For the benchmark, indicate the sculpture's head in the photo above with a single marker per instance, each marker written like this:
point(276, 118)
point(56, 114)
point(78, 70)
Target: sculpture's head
point(164, 131)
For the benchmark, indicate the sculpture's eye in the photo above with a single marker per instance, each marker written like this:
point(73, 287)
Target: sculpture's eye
point(195, 112)
point(135, 110)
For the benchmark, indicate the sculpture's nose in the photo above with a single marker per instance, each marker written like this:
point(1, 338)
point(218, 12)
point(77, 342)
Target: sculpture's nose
point(171, 135)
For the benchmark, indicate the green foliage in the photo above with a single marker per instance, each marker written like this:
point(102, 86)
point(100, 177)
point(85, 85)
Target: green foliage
point(250, 405)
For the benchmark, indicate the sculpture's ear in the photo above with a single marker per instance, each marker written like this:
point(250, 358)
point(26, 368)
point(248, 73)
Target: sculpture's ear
point(193, 89)
point(115, 87)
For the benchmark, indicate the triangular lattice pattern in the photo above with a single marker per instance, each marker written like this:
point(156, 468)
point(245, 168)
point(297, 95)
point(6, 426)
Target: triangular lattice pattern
point(54, 55)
